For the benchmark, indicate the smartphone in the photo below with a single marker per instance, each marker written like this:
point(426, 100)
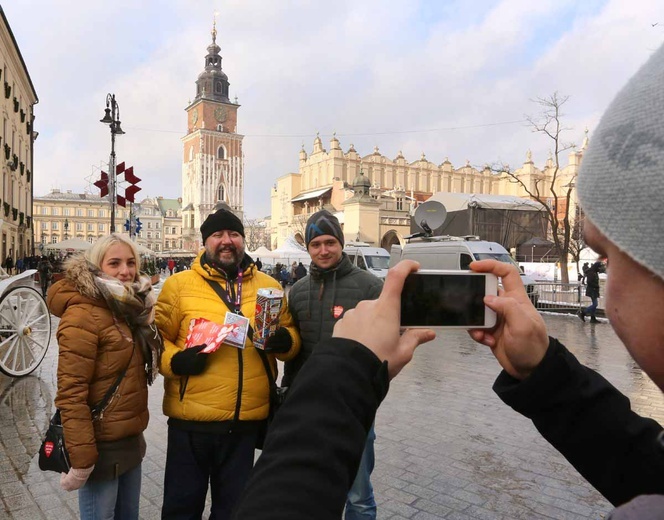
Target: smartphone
point(447, 299)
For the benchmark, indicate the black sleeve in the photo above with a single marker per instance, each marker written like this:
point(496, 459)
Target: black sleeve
point(316, 441)
point(591, 423)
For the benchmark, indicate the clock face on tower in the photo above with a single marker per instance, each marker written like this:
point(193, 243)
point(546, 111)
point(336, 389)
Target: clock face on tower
point(220, 114)
point(194, 116)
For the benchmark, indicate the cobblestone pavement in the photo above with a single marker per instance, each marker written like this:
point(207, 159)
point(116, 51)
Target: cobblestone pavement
point(446, 446)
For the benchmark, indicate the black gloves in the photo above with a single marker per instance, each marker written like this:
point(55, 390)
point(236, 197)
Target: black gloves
point(279, 342)
point(189, 362)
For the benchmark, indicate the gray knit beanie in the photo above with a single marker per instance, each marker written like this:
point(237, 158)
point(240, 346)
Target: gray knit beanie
point(621, 181)
point(323, 223)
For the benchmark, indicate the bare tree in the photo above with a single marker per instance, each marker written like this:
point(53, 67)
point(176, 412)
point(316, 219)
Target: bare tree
point(577, 243)
point(299, 226)
point(256, 234)
point(554, 199)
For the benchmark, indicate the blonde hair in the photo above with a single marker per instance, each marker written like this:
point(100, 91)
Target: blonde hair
point(95, 255)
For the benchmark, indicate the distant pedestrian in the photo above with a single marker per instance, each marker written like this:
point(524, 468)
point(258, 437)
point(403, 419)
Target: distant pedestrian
point(284, 276)
point(8, 264)
point(300, 271)
point(259, 264)
point(171, 265)
point(45, 273)
point(592, 291)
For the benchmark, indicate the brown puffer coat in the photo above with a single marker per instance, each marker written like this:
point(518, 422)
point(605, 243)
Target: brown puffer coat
point(94, 349)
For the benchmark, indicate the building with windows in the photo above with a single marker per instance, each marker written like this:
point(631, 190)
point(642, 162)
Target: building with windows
point(373, 196)
point(16, 147)
point(161, 224)
point(151, 234)
point(61, 215)
point(213, 161)
point(171, 223)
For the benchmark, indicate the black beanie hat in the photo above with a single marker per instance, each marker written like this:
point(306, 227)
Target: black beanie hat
point(221, 220)
point(323, 223)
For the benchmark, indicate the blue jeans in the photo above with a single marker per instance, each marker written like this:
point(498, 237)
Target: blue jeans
point(111, 499)
point(590, 310)
point(360, 504)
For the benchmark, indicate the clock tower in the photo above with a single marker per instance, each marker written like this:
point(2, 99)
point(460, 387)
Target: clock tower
point(212, 161)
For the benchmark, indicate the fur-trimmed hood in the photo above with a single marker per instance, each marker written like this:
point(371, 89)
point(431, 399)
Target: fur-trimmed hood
point(77, 285)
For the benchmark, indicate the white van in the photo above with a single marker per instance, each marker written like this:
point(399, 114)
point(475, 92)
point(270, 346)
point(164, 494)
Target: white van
point(446, 252)
point(373, 259)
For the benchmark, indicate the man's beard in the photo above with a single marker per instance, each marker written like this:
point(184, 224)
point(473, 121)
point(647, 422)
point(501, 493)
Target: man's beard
point(214, 256)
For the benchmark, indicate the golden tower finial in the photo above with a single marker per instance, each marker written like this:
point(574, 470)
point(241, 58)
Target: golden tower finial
point(214, 27)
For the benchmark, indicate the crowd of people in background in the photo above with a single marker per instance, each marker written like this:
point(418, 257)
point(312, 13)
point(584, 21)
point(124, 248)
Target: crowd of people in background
point(170, 266)
point(19, 265)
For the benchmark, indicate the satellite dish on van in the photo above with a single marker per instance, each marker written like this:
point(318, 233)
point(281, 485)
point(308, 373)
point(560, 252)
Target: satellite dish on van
point(429, 216)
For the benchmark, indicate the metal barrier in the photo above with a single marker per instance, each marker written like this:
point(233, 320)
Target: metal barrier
point(558, 296)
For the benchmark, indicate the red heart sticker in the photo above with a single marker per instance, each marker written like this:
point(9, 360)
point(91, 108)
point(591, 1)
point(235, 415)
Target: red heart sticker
point(48, 448)
point(337, 311)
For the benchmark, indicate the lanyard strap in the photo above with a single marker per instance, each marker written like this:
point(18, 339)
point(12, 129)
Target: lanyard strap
point(232, 298)
point(223, 296)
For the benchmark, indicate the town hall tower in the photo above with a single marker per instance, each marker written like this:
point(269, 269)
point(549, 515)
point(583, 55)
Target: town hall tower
point(212, 161)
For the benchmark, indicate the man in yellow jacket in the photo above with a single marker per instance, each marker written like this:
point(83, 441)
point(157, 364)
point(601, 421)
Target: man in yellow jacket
point(216, 402)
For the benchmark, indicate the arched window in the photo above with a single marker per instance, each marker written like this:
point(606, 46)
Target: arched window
point(221, 193)
point(221, 152)
point(191, 153)
point(217, 87)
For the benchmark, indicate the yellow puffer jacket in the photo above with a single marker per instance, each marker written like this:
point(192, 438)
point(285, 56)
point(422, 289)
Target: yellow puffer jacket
point(231, 374)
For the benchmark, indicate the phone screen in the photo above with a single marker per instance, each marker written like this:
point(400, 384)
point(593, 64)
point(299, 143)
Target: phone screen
point(443, 300)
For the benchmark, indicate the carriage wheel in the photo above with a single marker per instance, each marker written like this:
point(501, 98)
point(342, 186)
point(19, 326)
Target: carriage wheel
point(25, 331)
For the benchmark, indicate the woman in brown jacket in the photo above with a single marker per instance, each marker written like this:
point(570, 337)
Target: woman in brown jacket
point(106, 329)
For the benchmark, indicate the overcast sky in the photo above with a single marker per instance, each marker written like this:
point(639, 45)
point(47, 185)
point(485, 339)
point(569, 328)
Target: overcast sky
point(418, 76)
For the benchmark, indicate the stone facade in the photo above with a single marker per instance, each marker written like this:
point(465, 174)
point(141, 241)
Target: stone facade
point(60, 215)
point(395, 187)
point(162, 224)
point(213, 161)
point(17, 138)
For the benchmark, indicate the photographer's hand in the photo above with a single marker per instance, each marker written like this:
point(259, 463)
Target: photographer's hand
point(519, 340)
point(375, 323)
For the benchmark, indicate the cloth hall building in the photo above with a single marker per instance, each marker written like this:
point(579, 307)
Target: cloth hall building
point(373, 195)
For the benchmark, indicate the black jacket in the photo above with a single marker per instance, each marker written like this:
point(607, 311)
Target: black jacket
point(592, 283)
point(320, 299)
point(591, 423)
point(317, 438)
point(312, 453)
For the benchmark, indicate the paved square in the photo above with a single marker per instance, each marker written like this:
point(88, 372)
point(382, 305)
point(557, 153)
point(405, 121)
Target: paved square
point(446, 446)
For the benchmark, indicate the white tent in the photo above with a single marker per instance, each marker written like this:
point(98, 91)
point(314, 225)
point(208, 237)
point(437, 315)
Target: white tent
point(288, 256)
point(73, 244)
point(261, 252)
point(291, 251)
point(142, 250)
point(461, 201)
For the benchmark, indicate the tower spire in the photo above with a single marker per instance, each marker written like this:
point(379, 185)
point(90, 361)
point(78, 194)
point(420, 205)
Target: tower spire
point(213, 83)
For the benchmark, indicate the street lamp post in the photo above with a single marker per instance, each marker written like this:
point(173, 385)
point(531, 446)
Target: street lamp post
point(112, 118)
point(66, 229)
point(532, 255)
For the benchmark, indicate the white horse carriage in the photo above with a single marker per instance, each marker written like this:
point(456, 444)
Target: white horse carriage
point(25, 324)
